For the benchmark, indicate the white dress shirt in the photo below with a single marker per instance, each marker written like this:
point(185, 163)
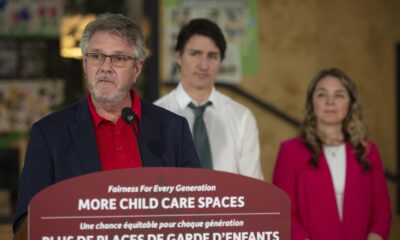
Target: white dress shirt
point(231, 128)
point(336, 158)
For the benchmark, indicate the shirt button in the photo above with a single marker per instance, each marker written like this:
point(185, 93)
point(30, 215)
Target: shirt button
point(119, 149)
point(117, 132)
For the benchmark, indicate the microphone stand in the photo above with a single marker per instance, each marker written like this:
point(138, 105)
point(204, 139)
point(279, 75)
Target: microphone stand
point(138, 142)
point(129, 116)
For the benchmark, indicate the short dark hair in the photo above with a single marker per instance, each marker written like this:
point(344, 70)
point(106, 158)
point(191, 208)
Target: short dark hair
point(204, 27)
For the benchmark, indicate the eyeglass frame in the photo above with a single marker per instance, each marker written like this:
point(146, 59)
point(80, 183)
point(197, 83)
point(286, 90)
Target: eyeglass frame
point(112, 59)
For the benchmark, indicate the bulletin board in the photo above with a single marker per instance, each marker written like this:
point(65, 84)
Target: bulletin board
point(22, 102)
point(30, 18)
point(30, 84)
point(238, 21)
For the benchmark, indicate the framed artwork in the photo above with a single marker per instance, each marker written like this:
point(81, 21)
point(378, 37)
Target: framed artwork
point(30, 18)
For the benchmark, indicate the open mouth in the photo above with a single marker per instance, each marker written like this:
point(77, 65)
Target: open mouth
point(109, 81)
point(105, 80)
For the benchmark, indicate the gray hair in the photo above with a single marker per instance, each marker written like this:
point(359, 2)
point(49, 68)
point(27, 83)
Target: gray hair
point(119, 25)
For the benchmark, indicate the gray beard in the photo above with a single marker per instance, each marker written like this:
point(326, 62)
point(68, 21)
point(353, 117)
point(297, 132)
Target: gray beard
point(109, 101)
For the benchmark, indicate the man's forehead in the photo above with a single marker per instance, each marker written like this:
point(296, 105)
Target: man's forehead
point(202, 50)
point(111, 35)
point(201, 42)
point(113, 43)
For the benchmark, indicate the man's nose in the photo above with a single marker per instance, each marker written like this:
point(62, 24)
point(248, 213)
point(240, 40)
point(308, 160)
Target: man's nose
point(107, 64)
point(204, 64)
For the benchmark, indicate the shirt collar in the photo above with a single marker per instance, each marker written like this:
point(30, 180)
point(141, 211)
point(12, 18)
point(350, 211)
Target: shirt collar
point(184, 99)
point(136, 107)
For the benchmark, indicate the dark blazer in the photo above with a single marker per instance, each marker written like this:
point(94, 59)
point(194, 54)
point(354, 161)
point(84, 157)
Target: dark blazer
point(63, 145)
point(366, 204)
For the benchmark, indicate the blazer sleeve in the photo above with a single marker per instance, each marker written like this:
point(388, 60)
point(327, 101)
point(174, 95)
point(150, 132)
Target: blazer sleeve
point(36, 174)
point(285, 177)
point(381, 207)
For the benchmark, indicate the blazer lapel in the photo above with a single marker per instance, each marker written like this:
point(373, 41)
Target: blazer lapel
point(330, 189)
point(351, 185)
point(321, 195)
point(150, 138)
point(84, 138)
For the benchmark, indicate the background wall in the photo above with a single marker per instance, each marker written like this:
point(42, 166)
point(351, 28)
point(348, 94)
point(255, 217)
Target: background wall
point(298, 38)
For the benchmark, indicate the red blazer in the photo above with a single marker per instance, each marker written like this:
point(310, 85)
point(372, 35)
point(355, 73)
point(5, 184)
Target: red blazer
point(366, 204)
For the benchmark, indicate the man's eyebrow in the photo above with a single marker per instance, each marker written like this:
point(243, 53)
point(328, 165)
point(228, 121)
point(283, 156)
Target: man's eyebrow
point(213, 53)
point(194, 50)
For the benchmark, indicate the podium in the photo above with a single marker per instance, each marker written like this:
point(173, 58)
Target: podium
point(159, 204)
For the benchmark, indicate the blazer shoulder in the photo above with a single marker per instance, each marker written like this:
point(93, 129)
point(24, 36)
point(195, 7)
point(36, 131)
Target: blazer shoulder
point(65, 115)
point(295, 148)
point(371, 151)
point(295, 142)
point(371, 145)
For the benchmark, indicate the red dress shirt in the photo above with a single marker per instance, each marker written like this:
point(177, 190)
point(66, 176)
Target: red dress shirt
point(116, 143)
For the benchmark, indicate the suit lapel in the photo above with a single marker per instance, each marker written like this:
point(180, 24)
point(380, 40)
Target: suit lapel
point(329, 197)
point(321, 195)
point(150, 138)
point(84, 138)
point(351, 185)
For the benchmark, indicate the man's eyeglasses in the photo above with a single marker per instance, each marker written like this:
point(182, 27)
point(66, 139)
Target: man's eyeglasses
point(97, 59)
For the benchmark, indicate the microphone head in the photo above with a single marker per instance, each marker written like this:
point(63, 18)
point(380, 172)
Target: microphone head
point(128, 115)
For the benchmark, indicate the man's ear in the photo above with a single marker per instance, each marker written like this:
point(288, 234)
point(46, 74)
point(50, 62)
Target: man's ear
point(137, 70)
point(84, 65)
point(178, 58)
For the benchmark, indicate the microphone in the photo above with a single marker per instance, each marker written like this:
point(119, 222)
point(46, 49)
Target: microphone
point(129, 117)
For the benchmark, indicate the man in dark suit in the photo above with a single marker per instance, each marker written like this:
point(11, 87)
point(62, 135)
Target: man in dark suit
point(91, 135)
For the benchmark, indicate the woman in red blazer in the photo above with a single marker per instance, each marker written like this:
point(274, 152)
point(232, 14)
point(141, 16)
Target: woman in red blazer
point(331, 172)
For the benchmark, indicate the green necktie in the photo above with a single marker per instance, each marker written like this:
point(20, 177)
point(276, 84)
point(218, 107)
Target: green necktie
point(200, 136)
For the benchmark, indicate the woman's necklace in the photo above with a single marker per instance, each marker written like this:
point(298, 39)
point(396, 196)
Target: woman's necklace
point(332, 150)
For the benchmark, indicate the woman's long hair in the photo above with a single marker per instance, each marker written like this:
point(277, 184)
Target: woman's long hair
point(354, 128)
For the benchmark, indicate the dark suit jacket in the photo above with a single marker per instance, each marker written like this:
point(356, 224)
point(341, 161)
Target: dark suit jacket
point(63, 145)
